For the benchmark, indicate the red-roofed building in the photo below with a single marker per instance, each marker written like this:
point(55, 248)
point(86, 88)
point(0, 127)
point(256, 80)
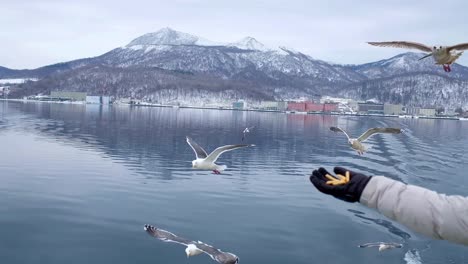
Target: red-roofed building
point(330, 107)
point(297, 106)
point(313, 107)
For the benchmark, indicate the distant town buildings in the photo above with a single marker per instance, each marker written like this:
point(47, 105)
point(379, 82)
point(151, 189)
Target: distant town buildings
point(297, 106)
point(282, 105)
point(393, 109)
point(312, 107)
point(413, 110)
point(273, 105)
point(68, 96)
point(371, 108)
point(240, 105)
point(418, 111)
point(269, 105)
point(344, 105)
point(326, 104)
point(64, 96)
point(427, 112)
point(329, 104)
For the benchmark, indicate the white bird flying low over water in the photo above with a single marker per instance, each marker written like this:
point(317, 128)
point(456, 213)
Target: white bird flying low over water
point(443, 55)
point(207, 162)
point(356, 143)
point(382, 245)
point(193, 247)
point(246, 130)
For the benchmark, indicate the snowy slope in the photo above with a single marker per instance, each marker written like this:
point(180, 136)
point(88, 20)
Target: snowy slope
point(249, 43)
point(407, 63)
point(16, 81)
point(168, 36)
point(155, 85)
point(423, 89)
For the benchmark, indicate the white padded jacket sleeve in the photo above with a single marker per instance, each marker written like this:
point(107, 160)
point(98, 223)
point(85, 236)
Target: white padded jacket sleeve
point(426, 212)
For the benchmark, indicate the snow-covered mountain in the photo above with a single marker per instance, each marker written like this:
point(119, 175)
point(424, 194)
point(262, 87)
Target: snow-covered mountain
point(166, 64)
point(249, 43)
point(407, 63)
point(422, 89)
point(39, 73)
point(407, 80)
point(173, 50)
point(170, 37)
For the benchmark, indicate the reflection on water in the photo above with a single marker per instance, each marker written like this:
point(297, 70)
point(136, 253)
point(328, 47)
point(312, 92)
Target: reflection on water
point(382, 222)
point(80, 181)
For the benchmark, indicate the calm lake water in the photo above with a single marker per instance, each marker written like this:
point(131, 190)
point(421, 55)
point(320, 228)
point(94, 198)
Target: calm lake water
point(78, 182)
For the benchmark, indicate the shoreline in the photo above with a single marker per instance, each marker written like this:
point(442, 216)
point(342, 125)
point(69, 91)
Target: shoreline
point(249, 110)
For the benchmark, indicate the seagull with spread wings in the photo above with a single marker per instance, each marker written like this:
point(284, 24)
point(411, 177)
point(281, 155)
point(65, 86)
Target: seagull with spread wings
point(356, 143)
point(193, 247)
point(443, 55)
point(246, 130)
point(382, 245)
point(207, 162)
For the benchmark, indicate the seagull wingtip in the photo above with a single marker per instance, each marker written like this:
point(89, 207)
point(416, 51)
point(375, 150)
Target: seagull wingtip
point(373, 43)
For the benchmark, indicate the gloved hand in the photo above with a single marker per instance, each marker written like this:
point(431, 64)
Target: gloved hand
point(347, 186)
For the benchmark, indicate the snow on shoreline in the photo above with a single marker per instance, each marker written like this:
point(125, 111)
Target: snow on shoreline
point(16, 81)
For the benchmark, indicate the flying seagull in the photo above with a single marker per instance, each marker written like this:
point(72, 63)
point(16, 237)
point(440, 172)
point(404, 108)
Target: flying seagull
point(207, 162)
point(356, 143)
point(443, 55)
point(382, 245)
point(246, 130)
point(193, 247)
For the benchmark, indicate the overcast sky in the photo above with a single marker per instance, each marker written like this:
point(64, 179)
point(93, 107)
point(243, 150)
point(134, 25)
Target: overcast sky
point(38, 33)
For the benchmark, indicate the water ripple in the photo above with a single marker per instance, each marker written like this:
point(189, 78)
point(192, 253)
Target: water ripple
point(85, 179)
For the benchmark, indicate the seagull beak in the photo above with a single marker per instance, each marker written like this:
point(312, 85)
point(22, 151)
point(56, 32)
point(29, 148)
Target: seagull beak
point(426, 56)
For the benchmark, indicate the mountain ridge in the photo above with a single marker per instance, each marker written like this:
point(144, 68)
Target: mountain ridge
point(275, 73)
